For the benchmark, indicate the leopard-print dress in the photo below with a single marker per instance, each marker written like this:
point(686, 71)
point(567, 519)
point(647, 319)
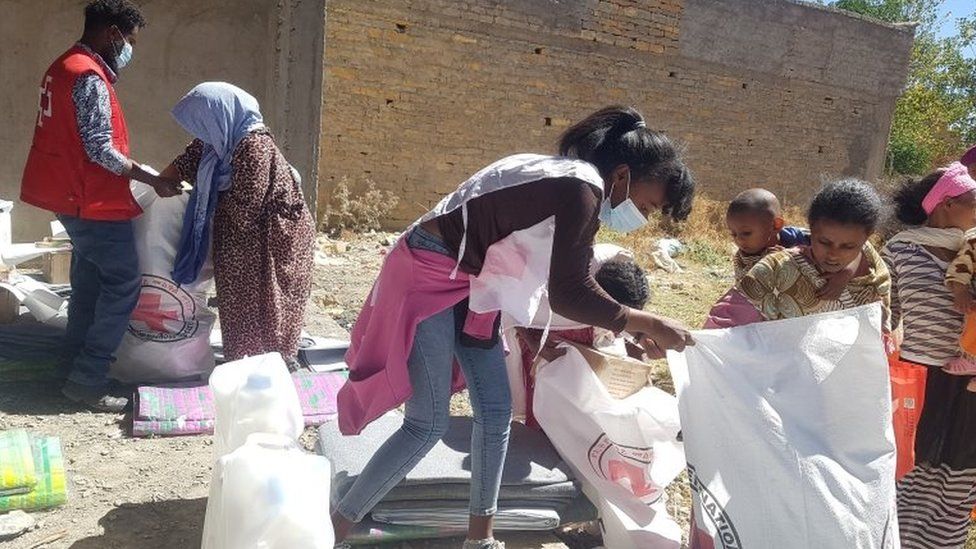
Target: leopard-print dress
point(263, 238)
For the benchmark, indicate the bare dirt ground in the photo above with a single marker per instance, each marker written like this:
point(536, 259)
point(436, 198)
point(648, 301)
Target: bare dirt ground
point(143, 493)
point(151, 493)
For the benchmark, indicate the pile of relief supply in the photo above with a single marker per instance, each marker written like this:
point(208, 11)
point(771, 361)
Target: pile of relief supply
point(266, 491)
point(12, 254)
point(32, 475)
point(188, 408)
point(538, 490)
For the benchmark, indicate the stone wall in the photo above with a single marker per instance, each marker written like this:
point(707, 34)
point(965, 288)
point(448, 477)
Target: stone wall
point(419, 94)
point(272, 48)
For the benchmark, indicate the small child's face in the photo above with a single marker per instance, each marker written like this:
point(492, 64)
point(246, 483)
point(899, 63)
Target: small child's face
point(961, 210)
point(836, 245)
point(753, 233)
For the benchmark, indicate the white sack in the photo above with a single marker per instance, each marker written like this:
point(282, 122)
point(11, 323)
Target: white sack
point(169, 332)
point(787, 430)
point(624, 451)
point(622, 532)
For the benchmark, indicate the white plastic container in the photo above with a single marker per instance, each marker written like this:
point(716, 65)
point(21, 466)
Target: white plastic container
point(269, 494)
point(254, 395)
point(5, 225)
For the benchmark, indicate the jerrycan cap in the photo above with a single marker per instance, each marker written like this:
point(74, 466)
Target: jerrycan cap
point(258, 382)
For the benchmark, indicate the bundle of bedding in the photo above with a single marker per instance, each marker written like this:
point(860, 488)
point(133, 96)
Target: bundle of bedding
point(538, 490)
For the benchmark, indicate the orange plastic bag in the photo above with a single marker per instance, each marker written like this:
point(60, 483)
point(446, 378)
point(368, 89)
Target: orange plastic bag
point(907, 399)
point(968, 338)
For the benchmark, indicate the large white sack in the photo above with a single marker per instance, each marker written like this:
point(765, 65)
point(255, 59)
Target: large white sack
point(788, 435)
point(269, 494)
point(624, 451)
point(622, 532)
point(169, 332)
point(254, 395)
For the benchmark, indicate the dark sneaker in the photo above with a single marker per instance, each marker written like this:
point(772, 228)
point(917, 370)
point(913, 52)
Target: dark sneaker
point(99, 399)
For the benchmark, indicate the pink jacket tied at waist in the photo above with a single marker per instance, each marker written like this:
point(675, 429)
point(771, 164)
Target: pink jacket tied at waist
point(413, 285)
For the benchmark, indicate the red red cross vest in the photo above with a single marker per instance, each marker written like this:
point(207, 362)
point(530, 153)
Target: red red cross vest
point(58, 176)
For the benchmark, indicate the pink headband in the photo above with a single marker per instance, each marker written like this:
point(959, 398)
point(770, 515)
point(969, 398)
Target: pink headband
point(954, 182)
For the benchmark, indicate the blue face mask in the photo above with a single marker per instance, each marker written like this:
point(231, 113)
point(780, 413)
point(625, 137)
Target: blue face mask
point(626, 217)
point(122, 55)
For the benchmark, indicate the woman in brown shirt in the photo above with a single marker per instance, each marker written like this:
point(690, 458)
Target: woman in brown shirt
point(611, 169)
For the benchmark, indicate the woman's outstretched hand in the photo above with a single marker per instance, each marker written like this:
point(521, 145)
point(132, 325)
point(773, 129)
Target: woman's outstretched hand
point(657, 334)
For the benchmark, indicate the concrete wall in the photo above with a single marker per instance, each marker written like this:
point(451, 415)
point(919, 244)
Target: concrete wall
point(420, 94)
point(272, 48)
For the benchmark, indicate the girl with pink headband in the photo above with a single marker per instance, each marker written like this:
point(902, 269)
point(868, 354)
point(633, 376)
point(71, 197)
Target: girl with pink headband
point(931, 265)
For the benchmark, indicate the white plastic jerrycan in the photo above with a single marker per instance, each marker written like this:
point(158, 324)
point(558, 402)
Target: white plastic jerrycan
point(254, 395)
point(269, 494)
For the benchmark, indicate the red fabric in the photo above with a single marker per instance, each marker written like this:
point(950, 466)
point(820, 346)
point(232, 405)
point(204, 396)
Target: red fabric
point(907, 400)
point(731, 310)
point(583, 336)
point(59, 177)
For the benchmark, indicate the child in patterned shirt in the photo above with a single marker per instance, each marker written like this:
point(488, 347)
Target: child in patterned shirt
point(755, 220)
point(959, 276)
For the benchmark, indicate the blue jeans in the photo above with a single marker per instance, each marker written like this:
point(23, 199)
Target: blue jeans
point(435, 346)
point(105, 283)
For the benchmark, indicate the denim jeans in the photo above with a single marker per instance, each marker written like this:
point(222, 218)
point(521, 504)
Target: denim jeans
point(105, 283)
point(435, 347)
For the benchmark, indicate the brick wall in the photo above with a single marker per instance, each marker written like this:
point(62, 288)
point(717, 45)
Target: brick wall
point(419, 94)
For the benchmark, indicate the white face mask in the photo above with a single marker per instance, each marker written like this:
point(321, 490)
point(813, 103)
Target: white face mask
point(124, 54)
point(626, 217)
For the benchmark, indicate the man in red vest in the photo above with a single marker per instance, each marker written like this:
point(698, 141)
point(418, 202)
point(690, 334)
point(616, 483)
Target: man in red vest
point(79, 168)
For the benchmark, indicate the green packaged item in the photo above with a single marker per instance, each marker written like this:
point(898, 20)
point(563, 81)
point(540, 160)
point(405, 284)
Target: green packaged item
point(51, 488)
point(17, 473)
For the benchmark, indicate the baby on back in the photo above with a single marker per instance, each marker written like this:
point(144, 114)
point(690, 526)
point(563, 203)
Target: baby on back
point(755, 221)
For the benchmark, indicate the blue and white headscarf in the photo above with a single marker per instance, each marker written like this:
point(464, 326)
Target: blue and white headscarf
point(220, 115)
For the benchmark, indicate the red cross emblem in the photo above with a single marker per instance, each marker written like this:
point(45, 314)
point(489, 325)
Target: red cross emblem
point(150, 312)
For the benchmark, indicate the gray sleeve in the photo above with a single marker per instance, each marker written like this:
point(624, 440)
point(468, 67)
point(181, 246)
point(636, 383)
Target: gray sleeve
point(94, 114)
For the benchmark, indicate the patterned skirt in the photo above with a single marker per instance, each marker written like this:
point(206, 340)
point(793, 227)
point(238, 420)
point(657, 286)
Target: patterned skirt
point(936, 499)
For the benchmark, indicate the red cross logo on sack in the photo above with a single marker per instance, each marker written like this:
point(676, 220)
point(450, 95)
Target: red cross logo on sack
point(151, 312)
point(165, 313)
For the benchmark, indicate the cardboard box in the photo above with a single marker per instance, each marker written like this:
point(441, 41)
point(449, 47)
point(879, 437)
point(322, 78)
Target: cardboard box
point(622, 376)
point(57, 267)
point(9, 307)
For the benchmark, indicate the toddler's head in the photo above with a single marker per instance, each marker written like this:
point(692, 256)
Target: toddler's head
point(625, 282)
point(969, 160)
point(754, 219)
point(842, 216)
